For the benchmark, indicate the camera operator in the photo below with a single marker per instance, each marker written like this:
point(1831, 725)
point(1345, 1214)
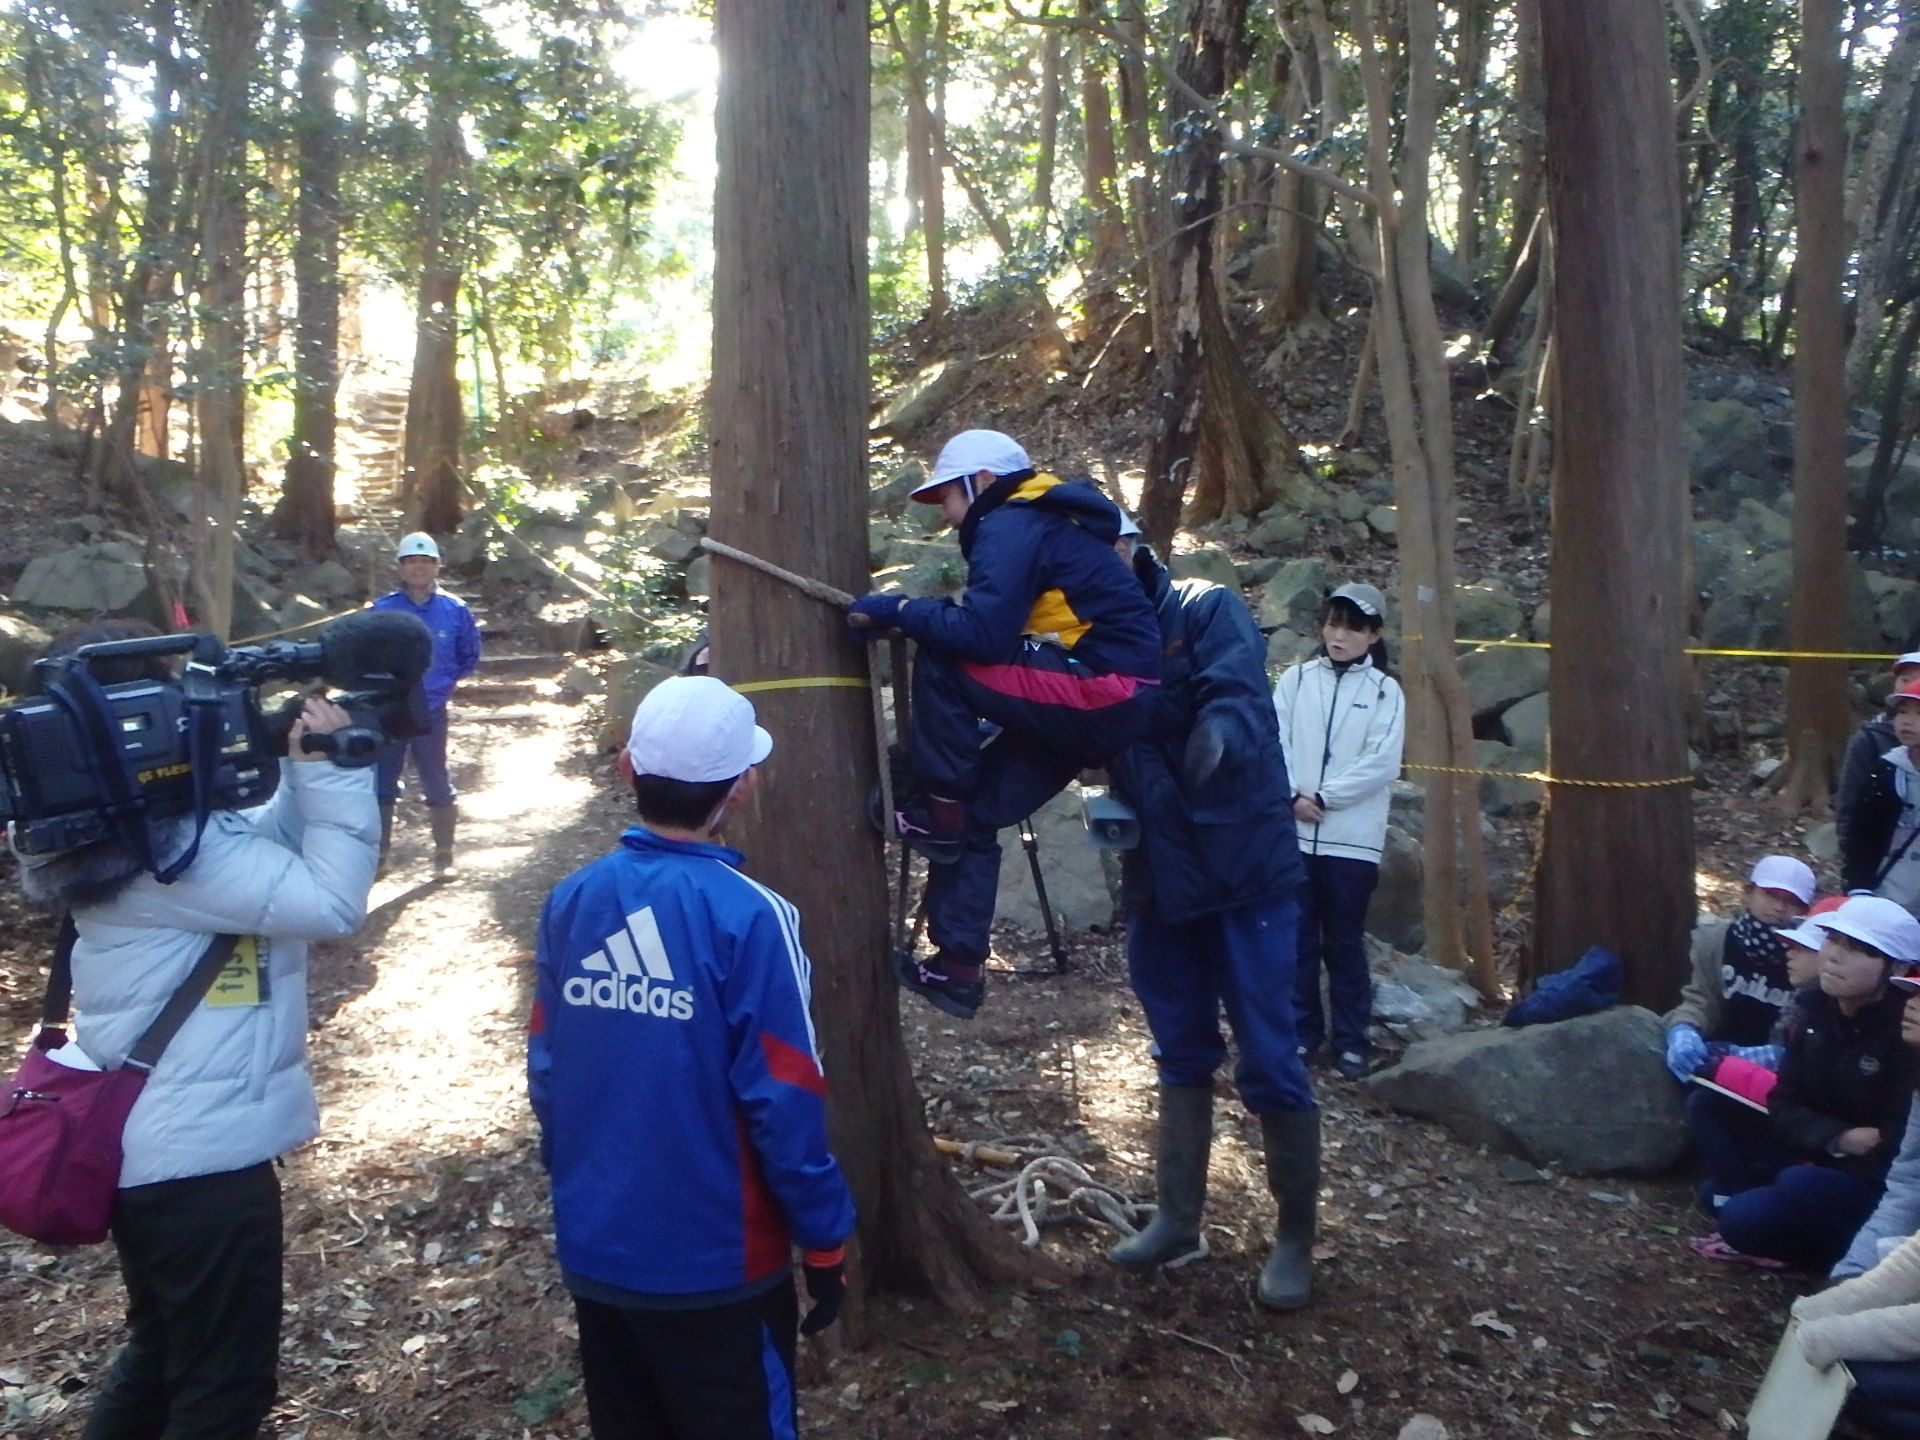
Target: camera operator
point(197, 1219)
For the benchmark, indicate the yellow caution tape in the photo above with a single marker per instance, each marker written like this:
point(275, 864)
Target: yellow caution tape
point(1541, 777)
point(845, 682)
point(1690, 650)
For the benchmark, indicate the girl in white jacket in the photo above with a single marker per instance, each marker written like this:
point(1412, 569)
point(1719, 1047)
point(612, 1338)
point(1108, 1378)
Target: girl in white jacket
point(1342, 724)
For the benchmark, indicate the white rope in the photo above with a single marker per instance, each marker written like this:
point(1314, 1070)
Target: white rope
point(1052, 1189)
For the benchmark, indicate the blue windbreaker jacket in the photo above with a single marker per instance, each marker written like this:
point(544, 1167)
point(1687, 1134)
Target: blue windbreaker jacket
point(456, 640)
point(1040, 561)
point(672, 1064)
point(1232, 843)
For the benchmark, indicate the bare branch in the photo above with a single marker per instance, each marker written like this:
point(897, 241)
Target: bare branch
point(1320, 174)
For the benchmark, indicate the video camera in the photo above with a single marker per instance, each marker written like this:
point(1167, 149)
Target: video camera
point(84, 760)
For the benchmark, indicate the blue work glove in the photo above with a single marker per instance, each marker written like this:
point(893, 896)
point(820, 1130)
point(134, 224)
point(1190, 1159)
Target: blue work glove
point(826, 1276)
point(1768, 1056)
point(873, 615)
point(1686, 1052)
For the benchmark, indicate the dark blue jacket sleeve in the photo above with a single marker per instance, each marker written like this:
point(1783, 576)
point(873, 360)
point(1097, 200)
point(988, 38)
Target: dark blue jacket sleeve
point(777, 1081)
point(1003, 580)
point(539, 1055)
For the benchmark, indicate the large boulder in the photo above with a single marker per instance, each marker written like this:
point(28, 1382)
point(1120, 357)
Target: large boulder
point(1590, 1096)
point(1724, 437)
point(1208, 562)
point(103, 578)
point(1077, 888)
point(627, 683)
point(1486, 611)
point(1395, 914)
point(1498, 675)
point(1896, 607)
point(1292, 597)
point(1279, 531)
point(925, 397)
point(1524, 724)
point(1501, 796)
point(1763, 527)
point(21, 642)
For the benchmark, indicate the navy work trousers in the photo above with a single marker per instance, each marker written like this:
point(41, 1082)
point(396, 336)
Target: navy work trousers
point(1806, 1216)
point(723, 1372)
point(1055, 719)
point(1737, 1146)
point(1886, 1398)
point(1239, 960)
point(1333, 933)
point(201, 1261)
point(429, 755)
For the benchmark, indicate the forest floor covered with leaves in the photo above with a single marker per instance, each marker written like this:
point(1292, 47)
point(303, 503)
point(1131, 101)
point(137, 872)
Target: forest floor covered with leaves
point(423, 1299)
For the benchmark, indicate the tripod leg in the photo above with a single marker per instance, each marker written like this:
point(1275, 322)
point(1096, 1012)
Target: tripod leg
point(1030, 842)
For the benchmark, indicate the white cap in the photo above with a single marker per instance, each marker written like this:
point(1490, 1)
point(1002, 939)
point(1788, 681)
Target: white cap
point(1885, 926)
point(418, 543)
point(972, 451)
point(694, 728)
point(1783, 872)
point(1807, 935)
point(1912, 657)
point(1128, 525)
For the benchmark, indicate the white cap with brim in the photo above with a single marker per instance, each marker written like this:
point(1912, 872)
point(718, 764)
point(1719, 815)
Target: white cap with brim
point(1912, 657)
point(970, 452)
point(1807, 935)
point(418, 543)
point(1783, 872)
point(695, 728)
point(1882, 924)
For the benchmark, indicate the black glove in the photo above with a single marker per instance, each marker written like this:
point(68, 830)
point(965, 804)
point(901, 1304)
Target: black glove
point(1206, 747)
point(872, 616)
point(826, 1273)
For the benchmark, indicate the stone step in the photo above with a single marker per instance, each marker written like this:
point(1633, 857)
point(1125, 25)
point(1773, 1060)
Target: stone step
point(536, 666)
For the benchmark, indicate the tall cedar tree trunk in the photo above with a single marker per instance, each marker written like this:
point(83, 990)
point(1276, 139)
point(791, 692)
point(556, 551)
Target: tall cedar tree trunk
point(1296, 204)
point(789, 402)
point(233, 28)
point(1528, 145)
point(1887, 177)
point(1108, 255)
point(1617, 864)
point(138, 422)
point(430, 484)
point(1049, 143)
point(1215, 428)
point(1818, 719)
point(1470, 71)
point(305, 515)
point(926, 148)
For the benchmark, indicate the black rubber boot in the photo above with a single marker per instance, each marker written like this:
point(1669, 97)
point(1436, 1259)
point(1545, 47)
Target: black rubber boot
point(1173, 1236)
point(386, 837)
point(1293, 1175)
point(443, 817)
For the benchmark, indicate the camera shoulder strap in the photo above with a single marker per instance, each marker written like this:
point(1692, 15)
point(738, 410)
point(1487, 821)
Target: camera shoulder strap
point(57, 1004)
point(202, 686)
point(150, 1046)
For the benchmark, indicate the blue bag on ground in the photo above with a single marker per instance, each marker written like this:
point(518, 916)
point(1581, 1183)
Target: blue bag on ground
point(1593, 983)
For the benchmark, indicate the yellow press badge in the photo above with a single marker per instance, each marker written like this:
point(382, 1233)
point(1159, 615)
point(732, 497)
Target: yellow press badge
point(243, 981)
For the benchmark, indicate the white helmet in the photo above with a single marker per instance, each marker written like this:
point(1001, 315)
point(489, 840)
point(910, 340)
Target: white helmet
point(418, 543)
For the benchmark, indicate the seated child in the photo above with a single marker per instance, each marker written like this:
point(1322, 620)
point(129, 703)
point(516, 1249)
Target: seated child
point(1898, 1214)
point(1872, 1322)
point(1840, 1106)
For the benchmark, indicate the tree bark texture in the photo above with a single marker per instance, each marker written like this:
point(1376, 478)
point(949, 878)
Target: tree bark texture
point(305, 515)
point(1617, 864)
point(1210, 412)
point(1108, 259)
point(1884, 199)
point(789, 404)
point(430, 463)
point(1818, 717)
point(233, 28)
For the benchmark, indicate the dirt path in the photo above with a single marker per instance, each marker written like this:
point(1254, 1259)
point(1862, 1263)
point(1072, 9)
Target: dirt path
point(423, 1300)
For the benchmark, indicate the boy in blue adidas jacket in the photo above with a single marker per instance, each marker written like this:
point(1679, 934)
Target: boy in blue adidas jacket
point(673, 1067)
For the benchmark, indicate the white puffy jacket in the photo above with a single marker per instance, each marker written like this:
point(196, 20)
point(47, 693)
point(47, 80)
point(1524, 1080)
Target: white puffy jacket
point(232, 1089)
point(1341, 730)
